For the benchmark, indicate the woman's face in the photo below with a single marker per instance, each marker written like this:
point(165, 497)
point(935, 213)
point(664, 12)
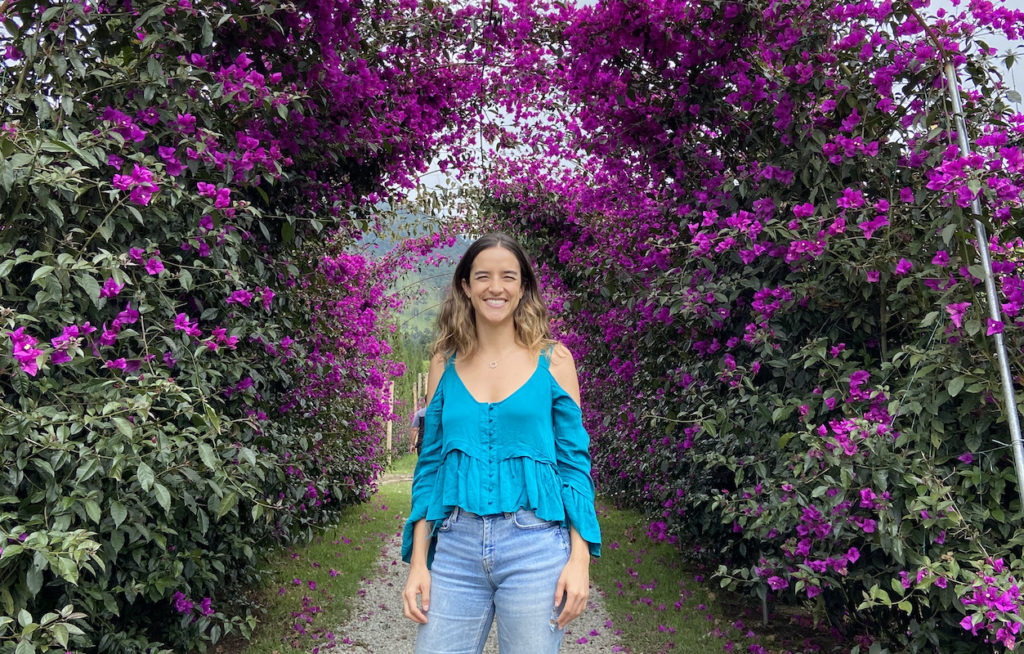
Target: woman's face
point(495, 285)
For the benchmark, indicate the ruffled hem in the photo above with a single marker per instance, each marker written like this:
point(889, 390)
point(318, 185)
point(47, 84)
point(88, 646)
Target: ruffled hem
point(514, 483)
point(580, 512)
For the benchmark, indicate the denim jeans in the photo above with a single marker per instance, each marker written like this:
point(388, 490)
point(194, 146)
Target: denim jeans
point(505, 565)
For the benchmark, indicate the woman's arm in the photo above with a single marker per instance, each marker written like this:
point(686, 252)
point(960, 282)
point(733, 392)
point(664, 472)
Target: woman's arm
point(574, 583)
point(418, 582)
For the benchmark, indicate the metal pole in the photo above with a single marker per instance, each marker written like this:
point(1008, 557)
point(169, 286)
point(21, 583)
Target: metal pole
point(990, 290)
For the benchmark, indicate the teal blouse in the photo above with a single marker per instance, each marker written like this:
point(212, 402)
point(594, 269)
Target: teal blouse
point(528, 451)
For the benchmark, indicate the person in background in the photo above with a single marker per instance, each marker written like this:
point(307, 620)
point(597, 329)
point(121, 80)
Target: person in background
point(502, 523)
point(416, 429)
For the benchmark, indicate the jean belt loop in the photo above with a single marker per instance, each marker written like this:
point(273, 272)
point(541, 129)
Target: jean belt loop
point(455, 514)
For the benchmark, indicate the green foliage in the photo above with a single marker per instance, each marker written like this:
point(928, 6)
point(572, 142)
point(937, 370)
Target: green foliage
point(153, 467)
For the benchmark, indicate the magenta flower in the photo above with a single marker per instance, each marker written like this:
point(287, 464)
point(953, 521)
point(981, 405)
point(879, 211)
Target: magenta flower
point(136, 254)
point(241, 296)
point(966, 458)
point(204, 606)
point(24, 353)
point(994, 327)
point(941, 258)
point(127, 317)
point(777, 583)
point(118, 364)
point(873, 275)
point(223, 198)
point(154, 266)
point(267, 296)
point(851, 199)
point(110, 288)
point(956, 312)
point(804, 210)
point(181, 603)
point(903, 267)
point(108, 336)
point(869, 227)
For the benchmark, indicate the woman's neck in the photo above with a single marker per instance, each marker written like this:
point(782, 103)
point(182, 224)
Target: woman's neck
point(496, 339)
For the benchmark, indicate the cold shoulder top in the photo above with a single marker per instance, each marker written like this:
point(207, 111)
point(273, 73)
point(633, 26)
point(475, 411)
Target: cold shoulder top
point(528, 451)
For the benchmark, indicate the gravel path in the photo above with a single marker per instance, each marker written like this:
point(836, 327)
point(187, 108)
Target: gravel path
point(377, 625)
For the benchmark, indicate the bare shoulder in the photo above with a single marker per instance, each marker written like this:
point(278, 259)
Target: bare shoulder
point(561, 356)
point(563, 369)
point(437, 364)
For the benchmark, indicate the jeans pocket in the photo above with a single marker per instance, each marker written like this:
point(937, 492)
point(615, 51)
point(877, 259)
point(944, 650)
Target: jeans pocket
point(526, 519)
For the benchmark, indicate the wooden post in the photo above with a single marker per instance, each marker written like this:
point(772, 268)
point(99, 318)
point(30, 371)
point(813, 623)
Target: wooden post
point(415, 406)
point(391, 408)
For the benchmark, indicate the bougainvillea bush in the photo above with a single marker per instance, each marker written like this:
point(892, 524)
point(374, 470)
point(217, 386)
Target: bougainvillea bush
point(194, 359)
point(758, 224)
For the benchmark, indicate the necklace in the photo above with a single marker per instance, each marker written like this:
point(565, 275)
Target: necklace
point(494, 363)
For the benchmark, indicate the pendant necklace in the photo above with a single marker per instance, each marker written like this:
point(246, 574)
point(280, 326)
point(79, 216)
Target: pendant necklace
point(494, 364)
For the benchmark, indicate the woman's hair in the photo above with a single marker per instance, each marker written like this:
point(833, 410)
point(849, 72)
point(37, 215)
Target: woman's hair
point(456, 323)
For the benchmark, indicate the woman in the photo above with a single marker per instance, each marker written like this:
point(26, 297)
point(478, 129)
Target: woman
point(502, 521)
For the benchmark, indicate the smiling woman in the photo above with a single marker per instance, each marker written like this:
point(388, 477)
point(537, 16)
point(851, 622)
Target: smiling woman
point(503, 521)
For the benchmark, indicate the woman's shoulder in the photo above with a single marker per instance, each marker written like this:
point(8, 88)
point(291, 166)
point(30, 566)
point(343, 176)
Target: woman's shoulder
point(563, 369)
point(559, 356)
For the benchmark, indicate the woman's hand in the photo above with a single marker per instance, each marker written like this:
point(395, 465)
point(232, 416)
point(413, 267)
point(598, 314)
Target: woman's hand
point(418, 583)
point(573, 588)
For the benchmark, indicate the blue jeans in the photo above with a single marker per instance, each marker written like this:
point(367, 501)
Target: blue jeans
point(507, 565)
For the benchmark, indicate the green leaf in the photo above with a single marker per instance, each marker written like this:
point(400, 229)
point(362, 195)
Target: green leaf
point(33, 580)
point(163, 496)
point(947, 233)
point(227, 503)
point(93, 509)
point(954, 386)
point(123, 425)
point(118, 512)
point(208, 456)
point(41, 271)
point(60, 634)
point(25, 647)
point(89, 285)
point(146, 477)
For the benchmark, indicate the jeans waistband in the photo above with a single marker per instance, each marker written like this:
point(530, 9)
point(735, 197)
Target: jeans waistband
point(459, 512)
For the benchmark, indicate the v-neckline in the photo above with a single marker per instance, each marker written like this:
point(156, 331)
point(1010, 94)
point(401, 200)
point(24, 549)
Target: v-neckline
point(504, 399)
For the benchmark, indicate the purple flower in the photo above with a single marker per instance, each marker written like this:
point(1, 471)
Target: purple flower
point(204, 606)
point(804, 210)
point(127, 317)
point(223, 198)
point(994, 327)
point(181, 603)
point(110, 288)
point(941, 258)
point(154, 266)
point(851, 199)
point(872, 275)
point(23, 352)
point(136, 254)
point(108, 336)
point(119, 364)
point(241, 296)
point(966, 458)
point(956, 312)
point(777, 583)
point(903, 267)
point(183, 324)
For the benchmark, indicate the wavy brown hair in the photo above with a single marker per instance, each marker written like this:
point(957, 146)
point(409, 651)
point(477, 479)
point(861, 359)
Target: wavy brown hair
point(456, 322)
